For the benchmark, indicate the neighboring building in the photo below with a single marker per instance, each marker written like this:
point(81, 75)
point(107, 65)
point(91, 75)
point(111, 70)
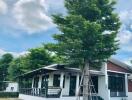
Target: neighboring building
point(12, 87)
point(112, 81)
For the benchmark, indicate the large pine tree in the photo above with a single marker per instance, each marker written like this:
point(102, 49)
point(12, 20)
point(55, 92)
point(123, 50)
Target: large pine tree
point(88, 33)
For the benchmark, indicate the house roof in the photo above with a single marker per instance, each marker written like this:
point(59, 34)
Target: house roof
point(121, 64)
point(57, 67)
point(39, 71)
point(62, 67)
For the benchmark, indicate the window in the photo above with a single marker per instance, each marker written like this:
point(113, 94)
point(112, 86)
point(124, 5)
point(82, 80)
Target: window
point(44, 83)
point(116, 84)
point(28, 82)
point(64, 82)
point(95, 83)
point(36, 80)
point(56, 80)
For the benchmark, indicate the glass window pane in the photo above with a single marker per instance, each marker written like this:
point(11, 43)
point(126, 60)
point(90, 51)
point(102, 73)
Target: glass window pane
point(56, 80)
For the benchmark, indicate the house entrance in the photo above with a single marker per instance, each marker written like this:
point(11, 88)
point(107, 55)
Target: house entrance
point(72, 89)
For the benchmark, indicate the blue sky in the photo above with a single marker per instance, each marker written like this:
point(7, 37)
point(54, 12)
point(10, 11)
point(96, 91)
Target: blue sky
point(26, 24)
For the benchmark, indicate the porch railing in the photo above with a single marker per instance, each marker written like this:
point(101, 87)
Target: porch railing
point(54, 92)
point(33, 91)
point(51, 92)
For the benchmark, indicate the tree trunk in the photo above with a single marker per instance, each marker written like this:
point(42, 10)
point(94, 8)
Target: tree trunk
point(86, 83)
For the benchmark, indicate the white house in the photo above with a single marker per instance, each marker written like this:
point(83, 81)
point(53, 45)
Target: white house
point(112, 81)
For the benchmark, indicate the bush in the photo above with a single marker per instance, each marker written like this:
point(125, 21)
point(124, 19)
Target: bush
point(9, 94)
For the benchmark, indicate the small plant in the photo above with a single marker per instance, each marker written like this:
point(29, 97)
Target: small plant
point(9, 94)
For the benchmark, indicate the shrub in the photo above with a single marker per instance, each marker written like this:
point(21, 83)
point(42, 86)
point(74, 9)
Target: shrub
point(9, 94)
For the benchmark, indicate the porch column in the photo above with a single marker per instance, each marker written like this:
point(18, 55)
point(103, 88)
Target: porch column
point(32, 82)
point(103, 90)
point(51, 76)
point(61, 80)
point(40, 81)
point(126, 84)
point(77, 84)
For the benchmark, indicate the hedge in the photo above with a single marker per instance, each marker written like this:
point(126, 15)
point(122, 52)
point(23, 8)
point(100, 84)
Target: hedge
point(9, 94)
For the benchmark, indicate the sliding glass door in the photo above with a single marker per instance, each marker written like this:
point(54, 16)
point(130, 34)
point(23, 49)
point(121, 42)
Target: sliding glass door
point(116, 84)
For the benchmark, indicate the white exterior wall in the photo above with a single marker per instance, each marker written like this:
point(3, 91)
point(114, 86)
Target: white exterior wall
point(129, 95)
point(103, 84)
point(51, 76)
point(103, 90)
point(77, 84)
point(65, 91)
point(40, 81)
point(61, 79)
point(12, 87)
point(32, 82)
point(126, 84)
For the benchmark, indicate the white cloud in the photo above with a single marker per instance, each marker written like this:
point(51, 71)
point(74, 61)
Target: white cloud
point(55, 6)
point(3, 7)
point(32, 15)
point(128, 61)
point(15, 54)
point(2, 52)
point(125, 15)
point(125, 36)
point(127, 48)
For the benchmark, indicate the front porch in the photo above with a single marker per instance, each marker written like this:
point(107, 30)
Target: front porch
point(51, 85)
point(56, 83)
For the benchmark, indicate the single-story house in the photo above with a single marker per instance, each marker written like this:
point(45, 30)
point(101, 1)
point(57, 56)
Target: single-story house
point(112, 81)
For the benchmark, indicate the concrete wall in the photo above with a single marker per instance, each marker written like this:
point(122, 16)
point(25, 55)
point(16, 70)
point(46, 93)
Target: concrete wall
point(12, 87)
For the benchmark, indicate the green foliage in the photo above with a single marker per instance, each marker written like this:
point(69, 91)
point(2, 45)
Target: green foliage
point(6, 58)
point(4, 65)
point(36, 58)
point(82, 35)
point(9, 94)
point(57, 58)
point(18, 66)
point(81, 39)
